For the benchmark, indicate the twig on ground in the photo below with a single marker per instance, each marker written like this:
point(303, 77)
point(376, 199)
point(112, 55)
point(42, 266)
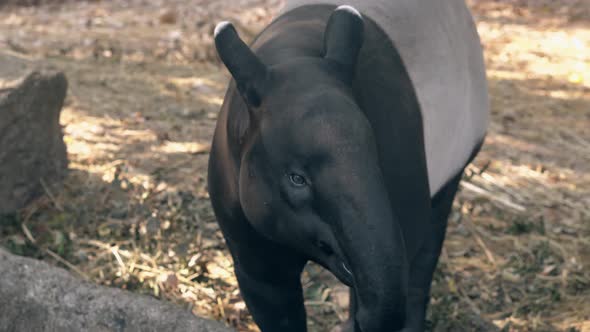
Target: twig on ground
point(478, 190)
point(332, 305)
point(482, 244)
point(115, 252)
point(66, 263)
point(50, 195)
point(57, 257)
point(220, 306)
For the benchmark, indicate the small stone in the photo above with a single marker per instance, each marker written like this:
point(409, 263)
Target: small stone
point(152, 226)
point(168, 17)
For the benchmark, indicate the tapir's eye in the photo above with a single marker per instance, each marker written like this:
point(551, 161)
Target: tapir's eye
point(297, 180)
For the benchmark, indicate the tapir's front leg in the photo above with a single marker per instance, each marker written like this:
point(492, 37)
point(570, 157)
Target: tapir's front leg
point(423, 266)
point(269, 278)
point(272, 290)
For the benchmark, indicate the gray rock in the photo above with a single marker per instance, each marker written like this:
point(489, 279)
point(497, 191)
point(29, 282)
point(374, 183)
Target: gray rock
point(35, 296)
point(32, 149)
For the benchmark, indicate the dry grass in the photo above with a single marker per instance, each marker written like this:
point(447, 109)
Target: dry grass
point(144, 94)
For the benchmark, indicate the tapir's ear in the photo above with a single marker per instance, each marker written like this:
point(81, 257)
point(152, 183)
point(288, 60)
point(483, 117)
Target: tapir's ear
point(344, 36)
point(246, 68)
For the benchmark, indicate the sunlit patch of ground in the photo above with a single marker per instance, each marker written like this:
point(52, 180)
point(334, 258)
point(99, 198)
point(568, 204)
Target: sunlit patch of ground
point(144, 94)
point(517, 252)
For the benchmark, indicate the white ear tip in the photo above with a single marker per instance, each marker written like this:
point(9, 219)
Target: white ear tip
point(350, 9)
point(222, 26)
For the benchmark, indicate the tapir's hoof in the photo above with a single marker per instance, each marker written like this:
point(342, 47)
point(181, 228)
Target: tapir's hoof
point(344, 327)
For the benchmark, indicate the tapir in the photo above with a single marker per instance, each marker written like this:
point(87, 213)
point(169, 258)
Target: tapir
point(342, 140)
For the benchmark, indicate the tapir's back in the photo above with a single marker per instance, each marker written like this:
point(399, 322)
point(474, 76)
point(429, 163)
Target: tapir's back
point(441, 50)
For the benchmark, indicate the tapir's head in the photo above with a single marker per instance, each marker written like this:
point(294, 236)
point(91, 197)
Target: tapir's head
point(310, 175)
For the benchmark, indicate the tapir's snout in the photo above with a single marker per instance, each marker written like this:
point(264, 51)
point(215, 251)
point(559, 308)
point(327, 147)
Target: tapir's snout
point(373, 256)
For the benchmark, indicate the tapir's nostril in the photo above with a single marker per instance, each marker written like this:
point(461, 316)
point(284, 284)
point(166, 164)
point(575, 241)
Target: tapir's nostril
point(325, 248)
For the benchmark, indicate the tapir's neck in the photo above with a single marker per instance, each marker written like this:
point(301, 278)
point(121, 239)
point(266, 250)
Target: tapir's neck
point(295, 34)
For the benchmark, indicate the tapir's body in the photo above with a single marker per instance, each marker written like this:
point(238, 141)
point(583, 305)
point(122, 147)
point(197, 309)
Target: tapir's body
point(441, 51)
point(346, 155)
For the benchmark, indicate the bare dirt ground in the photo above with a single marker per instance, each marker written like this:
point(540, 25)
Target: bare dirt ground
point(145, 88)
